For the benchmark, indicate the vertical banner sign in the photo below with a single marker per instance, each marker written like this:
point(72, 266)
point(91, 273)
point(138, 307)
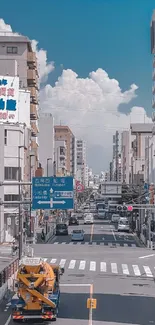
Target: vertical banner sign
point(9, 95)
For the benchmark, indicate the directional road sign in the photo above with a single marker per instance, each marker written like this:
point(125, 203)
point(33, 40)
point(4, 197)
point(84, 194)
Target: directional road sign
point(52, 193)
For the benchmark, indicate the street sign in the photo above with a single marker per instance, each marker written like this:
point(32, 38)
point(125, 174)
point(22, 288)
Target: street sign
point(91, 303)
point(52, 193)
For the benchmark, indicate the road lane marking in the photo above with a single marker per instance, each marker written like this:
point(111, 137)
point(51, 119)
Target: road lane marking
point(45, 259)
point(136, 270)
point(125, 269)
point(113, 233)
point(8, 320)
point(114, 268)
point(90, 310)
point(133, 245)
point(91, 233)
point(75, 284)
point(62, 262)
point(148, 271)
point(92, 266)
point(72, 264)
point(63, 243)
point(53, 260)
point(103, 267)
point(147, 256)
point(82, 265)
point(125, 245)
point(56, 243)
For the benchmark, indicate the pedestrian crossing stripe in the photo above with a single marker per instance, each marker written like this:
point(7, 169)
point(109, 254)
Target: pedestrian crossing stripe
point(103, 267)
point(97, 243)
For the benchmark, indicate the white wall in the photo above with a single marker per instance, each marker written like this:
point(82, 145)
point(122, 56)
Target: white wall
point(24, 107)
point(1, 179)
point(46, 142)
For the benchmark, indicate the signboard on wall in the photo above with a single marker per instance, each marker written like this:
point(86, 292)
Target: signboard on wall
point(9, 95)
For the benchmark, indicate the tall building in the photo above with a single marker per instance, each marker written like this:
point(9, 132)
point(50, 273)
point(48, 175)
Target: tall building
point(115, 164)
point(18, 59)
point(46, 143)
point(81, 161)
point(64, 133)
point(60, 157)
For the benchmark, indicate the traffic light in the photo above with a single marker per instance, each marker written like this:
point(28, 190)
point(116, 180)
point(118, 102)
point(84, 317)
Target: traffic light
point(119, 208)
point(125, 208)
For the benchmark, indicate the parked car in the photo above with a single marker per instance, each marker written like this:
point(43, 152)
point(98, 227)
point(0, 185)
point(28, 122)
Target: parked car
point(115, 218)
point(77, 235)
point(73, 220)
point(61, 229)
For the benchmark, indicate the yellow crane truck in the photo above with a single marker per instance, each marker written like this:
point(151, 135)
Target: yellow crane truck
point(37, 291)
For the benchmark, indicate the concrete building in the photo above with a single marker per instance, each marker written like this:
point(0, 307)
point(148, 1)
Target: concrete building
point(60, 157)
point(81, 160)
point(18, 59)
point(133, 153)
point(46, 143)
point(64, 133)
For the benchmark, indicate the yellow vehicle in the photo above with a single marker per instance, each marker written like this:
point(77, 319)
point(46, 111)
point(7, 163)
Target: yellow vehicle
point(37, 290)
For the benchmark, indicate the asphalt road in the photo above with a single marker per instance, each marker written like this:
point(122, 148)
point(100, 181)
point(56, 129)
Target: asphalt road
point(122, 283)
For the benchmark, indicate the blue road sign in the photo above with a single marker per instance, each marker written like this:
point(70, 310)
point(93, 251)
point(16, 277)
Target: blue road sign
point(52, 193)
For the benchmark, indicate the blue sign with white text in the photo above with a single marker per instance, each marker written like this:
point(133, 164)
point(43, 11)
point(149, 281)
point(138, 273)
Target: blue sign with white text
point(52, 193)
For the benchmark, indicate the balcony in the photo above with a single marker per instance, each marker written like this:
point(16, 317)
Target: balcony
point(62, 152)
point(153, 117)
point(153, 75)
point(34, 145)
point(34, 95)
point(32, 78)
point(34, 129)
point(33, 112)
point(31, 59)
point(153, 130)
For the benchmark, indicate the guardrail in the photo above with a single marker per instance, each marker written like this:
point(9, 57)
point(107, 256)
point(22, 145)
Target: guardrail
point(7, 276)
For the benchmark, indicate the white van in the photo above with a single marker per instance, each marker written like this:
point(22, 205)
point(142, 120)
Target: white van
point(115, 218)
point(123, 225)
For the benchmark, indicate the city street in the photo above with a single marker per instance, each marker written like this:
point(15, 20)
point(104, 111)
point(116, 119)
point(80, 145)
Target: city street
point(123, 282)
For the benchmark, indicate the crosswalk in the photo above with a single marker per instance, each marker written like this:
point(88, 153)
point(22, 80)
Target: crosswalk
point(97, 243)
point(102, 267)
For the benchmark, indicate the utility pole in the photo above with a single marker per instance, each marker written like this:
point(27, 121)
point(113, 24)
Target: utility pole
point(19, 207)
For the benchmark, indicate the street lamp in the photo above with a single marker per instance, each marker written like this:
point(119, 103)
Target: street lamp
point(48, 159)
point(19, 208)
point(31, 155)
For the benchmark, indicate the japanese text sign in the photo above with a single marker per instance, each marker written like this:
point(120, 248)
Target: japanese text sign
point(9, 95)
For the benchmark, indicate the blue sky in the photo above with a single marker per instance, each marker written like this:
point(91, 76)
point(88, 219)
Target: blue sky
point(85, 35)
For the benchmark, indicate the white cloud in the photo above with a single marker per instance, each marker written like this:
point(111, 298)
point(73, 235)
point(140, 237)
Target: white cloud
point(90, 106)
point(44, 68)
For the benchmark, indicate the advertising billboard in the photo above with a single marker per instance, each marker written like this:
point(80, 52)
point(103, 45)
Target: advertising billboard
point(9, 95)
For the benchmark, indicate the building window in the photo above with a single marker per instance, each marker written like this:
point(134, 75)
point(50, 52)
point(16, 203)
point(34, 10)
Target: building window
point(11, 197)
point(11, 173)
point(5, 137)
point(12, 50)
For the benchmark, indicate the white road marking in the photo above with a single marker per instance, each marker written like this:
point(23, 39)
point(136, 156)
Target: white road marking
point(44, 259)
point(133, 245)
point(56, 243)
point(136, 270)
point(63, 243)
point(82, 265)
point(62, 262)
point(125, 245)
point(8, 320)
point(114, 268)
point(74, 285)
point(147, 256)
point(103, 267)
point(113, 234)
point(72, 264)
point(125, 269)
point(53, 261)
point(92, 266)
point(148, 271)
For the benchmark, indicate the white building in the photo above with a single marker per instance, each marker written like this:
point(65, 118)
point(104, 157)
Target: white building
point(60, 157)
point(46, 143)
point(81, 161)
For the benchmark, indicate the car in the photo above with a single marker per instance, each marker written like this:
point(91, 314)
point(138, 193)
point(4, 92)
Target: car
point(115, 218)
point(73, 221)
point(123, 225)
point(61, 229)
point(77, 235)
point(88, 219)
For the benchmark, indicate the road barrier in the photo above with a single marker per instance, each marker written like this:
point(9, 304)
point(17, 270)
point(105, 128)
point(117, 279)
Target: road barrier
point(7, 276)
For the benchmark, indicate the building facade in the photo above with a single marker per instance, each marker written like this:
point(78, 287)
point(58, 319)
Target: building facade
point(64, 133)
point(60, 157)
point(81, 161)
point(46, 143)
point(18, 59)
